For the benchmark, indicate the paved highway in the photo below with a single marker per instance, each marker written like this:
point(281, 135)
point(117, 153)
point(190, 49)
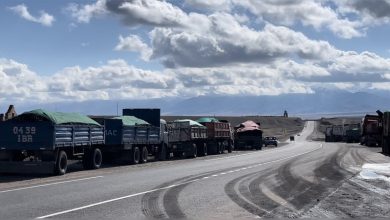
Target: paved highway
point(295, 180)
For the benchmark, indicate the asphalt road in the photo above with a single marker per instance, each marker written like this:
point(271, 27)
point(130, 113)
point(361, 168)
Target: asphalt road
point(299, 179)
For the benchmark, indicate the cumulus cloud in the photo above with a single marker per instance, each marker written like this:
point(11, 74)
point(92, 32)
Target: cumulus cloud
point(376, 8)
point(44, 19)
point(216, 5)
point(134, 43)
point(228, 42)
point(311, 13)
point(84, 13)
point(18, 82)
point(147, 12)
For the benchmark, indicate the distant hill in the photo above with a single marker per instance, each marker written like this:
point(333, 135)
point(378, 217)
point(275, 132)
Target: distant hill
point(307, 105)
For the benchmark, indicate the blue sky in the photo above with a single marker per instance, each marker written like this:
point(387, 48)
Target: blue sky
point(61, 51)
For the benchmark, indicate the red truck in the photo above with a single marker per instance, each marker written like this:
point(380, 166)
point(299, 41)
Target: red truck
point(219, 135)
point(371, 130)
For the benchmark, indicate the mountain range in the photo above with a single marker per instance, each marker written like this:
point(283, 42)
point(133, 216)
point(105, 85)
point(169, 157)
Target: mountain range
point(321, 103)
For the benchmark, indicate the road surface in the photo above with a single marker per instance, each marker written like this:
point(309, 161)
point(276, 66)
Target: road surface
point(300, 179)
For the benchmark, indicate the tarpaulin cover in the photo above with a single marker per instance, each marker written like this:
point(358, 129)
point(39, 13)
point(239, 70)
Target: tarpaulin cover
point(205, 120)
point(62, 118)
point(248, 126)
point(192, 122)
point(131, 120)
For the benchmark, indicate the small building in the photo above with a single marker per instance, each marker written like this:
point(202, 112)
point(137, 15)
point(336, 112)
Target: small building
point(9, 114)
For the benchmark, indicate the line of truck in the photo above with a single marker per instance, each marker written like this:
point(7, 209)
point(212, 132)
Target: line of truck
point(46, 141)
point(374, 130)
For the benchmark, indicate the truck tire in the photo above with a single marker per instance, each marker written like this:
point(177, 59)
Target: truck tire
point(144, 155)
point(230, 147)
point(61, 165)
point(163, 155)
point(135, 156)
point(219, 148)
point(204, 149)
point(96, 159)
point(194, 151)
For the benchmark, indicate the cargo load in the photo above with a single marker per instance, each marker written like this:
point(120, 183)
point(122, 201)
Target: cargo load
point(46, 140)
point(248, 135)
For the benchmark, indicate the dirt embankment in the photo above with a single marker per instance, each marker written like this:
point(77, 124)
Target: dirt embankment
point(277, 126)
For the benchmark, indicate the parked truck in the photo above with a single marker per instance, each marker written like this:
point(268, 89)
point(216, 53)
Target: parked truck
point(133, 140)
point(352, 133)
point(248, 135)
point(43, 141)
point(386, 133)
point(184, 138)
point(371, 130)
point(334, 133)
point(187, 138)
point(337, 133)
point(219, 135)
point(328, 134)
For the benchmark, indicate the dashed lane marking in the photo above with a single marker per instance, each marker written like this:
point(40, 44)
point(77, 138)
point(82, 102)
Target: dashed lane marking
point(164, 188)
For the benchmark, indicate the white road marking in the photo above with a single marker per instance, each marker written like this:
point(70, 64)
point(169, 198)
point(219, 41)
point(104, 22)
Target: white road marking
point(240, 155)
point(162, 188)
point(50, 184)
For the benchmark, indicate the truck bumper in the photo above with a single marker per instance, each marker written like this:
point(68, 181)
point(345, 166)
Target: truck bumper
point(27, 167)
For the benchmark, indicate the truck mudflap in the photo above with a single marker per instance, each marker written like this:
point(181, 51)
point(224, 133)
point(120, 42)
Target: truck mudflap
point(27, 167)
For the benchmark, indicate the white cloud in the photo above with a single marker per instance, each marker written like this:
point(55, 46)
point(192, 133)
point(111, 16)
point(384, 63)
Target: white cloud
point(216, 5)
point(134, 43)
point(84, 13)
point(148, 12)
point(226, 42)
point(44, 19)
point(18, 82)
point(311, 13)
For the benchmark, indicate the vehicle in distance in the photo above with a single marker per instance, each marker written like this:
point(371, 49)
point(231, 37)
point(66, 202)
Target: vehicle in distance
point(270, 141)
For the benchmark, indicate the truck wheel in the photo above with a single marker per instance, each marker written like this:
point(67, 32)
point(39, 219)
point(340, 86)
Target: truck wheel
point(144, 155)
point(220, 149)
point(204, 150)
point(230, 147)
point(96, 159)
point(163, 153)
point(61, 163)
point(135, 156)
point(194, 151)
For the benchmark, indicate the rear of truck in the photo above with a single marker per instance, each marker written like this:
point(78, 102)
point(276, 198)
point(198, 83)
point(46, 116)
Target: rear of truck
point(371, 131)
point(386, 133)
point(131, 139)
point(41, 141)
point(337, 133)
point(219, 135)
point(248, 135)
point(187, 138)
point(328, 134)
